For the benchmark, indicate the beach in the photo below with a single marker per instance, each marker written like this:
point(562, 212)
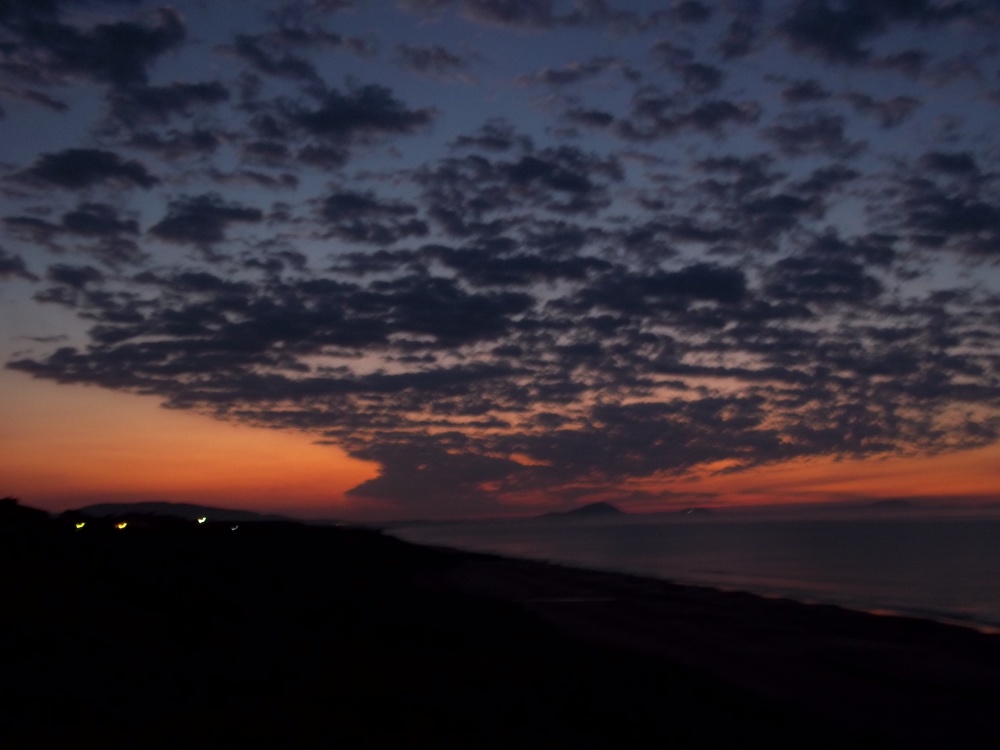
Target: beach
point(164, 634)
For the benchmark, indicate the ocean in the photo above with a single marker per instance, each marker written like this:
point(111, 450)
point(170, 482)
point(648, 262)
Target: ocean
point(940, 569)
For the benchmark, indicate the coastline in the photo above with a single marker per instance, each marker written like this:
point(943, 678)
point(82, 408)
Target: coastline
point(895, 676)
point(301, 635)
point(880, 566)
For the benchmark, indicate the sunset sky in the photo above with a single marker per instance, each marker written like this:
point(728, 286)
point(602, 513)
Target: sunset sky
point(466, 258)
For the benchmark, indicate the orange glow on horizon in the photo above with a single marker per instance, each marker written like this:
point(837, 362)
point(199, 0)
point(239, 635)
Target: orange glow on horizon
point(67, 446)
point(965, 475)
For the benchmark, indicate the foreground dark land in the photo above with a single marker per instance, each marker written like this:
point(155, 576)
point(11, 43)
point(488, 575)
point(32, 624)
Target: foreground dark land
point(280, 635)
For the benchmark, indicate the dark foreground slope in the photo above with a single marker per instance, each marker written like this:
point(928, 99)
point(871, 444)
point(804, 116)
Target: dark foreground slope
point(279, 635)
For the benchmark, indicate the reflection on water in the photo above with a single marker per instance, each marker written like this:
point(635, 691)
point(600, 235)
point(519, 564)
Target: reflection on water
point(940, 569)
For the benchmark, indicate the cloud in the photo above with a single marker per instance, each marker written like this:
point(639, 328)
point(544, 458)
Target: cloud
point(517, 13)
point(201, 220)
point(654, 117)
point(540, 15)
point(644, 294)
point(963, 216)
point(889, 112)
point(654, 259)
point(591, 118)
point(805, 91)
point(362, 112)
point(495, 135)
point(136, 105)
point(837, 31)
point(820, 280)
point(95, 229)
point(77, 168)
point(961, 163)
point(572, 73)
point(743, 30)
point(117, 53)
point(692, 11)
point(699, 78)
point(282, 64)
point(34, 97)
point(474, 195)
point(433, 60)
point(12, 266)
point(485, 268)
point(362, 217)
point(812, 133)
point(76, 277)
point(176, 144)
point(909, 62)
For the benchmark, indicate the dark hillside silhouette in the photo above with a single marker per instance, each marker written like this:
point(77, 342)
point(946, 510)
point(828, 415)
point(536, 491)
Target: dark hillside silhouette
point(173, 634)
point(592, 510)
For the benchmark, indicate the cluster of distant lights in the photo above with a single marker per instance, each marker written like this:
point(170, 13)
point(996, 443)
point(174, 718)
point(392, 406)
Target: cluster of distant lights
point(122, 524)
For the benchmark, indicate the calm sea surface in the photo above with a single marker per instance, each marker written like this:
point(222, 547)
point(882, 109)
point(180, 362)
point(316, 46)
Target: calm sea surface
point(946, 570)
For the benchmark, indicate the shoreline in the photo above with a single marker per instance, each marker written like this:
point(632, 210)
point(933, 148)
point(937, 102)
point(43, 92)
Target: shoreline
point(976, 609)
point(357, 637)
point(826, 659)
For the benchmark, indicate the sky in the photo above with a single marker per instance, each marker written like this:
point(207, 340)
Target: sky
point(478, 258)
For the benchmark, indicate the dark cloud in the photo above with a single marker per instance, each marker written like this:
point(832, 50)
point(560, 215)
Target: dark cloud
point(13, 266)
point(366, 111)
point(533, 306)
point(543, 14)
point(144, 104)
point(281, 64)
point(116, 53)
point(699, 78)
point(962, 163)
point(78, 168)
point(874, 249)
point(963, 215)
point(97, 220)
point(821, 280)
point(572, 73)
point(76, 277)
point(838, 31)
point(241, 349)
point(909, 62)
point(176, 144)
point(523, 13)
point(746, 175)
point(805, 91)
point(591, 118)
point(34, 97)
point(474, 195)
point(814, 133)
point(482, 267)
point(671, 54)
point(692, 11)
point(646, 294)
point(244, 177)
point(93, 229)
point(743, 29)
point(889, 112)
point(424, 468)
point(496, 135)
point(654, 117)
point(433, 60)
point(363, 217)
point(201, 220)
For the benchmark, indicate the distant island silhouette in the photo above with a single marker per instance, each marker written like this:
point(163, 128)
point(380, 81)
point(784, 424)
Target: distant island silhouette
point(182, 511)
point(591, 510)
